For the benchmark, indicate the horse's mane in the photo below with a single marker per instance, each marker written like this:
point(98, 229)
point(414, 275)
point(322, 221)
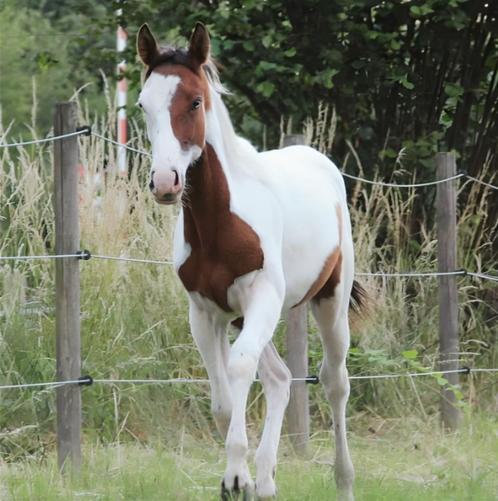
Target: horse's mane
point(210, 68)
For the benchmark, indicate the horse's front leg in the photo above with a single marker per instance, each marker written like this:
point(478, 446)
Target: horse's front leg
point(209, 332)
point(261, 305)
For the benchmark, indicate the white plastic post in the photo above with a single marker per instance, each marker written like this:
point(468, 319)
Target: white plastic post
point(122, 90)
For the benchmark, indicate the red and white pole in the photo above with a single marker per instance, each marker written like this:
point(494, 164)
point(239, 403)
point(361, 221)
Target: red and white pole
point(122, 124)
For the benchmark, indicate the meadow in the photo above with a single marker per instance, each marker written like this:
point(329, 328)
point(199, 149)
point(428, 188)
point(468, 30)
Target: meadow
point(396, 460)
point(158, 442)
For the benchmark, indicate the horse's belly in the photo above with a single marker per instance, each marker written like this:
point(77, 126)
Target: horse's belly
point(306, 250)
point(315, 219)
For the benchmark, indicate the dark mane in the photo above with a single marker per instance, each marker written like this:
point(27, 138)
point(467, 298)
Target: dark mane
point(171, 55)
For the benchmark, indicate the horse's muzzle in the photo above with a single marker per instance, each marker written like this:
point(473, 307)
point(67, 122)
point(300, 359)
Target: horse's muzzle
point(165, 185)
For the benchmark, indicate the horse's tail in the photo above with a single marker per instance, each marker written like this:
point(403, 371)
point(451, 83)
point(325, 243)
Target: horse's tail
point(358, 302)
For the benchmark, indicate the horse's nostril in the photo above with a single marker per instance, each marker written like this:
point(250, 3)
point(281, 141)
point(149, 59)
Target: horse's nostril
point(177, 179)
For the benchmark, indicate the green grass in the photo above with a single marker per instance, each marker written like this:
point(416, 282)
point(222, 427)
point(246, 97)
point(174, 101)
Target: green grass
point(395, 460)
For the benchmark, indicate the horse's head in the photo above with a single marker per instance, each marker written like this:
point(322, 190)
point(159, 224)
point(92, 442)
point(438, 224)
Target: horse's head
point(174, 98)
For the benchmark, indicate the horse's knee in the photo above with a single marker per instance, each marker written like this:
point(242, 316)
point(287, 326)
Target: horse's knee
point(241, 366)
point(284, 386)
point(277, 385)
point(335, 380)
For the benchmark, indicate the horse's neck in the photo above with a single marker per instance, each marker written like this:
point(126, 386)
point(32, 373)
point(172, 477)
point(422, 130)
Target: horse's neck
point(211, 181)
point(207, 199)
point(237, 155)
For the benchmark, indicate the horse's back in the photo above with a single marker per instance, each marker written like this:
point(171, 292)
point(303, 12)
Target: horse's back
point(293, 159)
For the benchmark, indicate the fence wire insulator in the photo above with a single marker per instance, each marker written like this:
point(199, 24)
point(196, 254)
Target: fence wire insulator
point(312, 379)
point(85, 254)
point(85, 129)
point(85, 380)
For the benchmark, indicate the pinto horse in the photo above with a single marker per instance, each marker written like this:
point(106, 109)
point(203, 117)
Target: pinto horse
point(257, 234)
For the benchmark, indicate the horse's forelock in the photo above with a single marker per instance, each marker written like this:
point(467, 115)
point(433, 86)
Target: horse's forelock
point(172, 55)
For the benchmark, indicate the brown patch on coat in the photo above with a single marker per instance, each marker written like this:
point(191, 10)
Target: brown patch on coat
point(333, 280)
point(224, 247)
point(238, 323)
point(327, 279)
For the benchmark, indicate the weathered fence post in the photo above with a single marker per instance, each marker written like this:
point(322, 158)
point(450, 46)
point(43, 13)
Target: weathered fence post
point(298, 415)
point(448, 298)
point(67, 284)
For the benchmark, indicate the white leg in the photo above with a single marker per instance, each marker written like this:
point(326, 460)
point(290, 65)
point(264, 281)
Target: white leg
point(261, 309)
point(276, 379)
point(334, 329)
point(211, 338)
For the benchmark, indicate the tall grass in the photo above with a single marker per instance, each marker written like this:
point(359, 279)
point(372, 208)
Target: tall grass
point(134, 320)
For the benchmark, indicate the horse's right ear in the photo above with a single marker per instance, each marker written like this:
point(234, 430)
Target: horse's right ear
point(146, 45)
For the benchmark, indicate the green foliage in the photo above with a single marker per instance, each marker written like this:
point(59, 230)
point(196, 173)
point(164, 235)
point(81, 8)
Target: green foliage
point(418, 76)
point(49, 50)
point(31, 64)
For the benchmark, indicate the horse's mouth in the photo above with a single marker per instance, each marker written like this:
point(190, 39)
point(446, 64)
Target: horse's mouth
point(169, 199)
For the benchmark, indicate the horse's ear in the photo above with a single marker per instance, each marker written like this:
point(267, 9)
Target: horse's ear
point(146, 45)
point(199, 45)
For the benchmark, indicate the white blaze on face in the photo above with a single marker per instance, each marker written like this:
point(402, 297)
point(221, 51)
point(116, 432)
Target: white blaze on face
point(169, 160)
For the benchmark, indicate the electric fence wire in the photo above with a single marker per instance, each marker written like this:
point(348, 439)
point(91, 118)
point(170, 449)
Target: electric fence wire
point(88, 381)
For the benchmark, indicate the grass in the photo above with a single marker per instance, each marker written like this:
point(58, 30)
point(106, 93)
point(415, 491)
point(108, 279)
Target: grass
point(395, 460)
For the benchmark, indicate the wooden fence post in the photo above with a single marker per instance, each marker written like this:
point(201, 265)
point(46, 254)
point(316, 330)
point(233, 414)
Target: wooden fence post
point(67, 284)
point(298, 415)
point(448, 295)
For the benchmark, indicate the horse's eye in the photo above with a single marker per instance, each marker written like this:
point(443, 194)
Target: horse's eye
point(196, 103)
point(139, 104)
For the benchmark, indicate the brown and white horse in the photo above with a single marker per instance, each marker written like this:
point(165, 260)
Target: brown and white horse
point(257, 234)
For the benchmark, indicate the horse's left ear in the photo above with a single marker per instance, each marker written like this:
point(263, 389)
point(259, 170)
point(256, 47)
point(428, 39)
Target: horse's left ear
point(199, 44)
point(146, 45)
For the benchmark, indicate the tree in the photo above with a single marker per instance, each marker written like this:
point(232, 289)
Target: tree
point(416, 76)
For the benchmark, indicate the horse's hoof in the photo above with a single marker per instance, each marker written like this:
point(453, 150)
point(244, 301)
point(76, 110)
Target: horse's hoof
point(266, 489)
point(244, 494)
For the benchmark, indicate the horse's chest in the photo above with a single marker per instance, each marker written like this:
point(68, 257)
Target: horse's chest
point(221, 252)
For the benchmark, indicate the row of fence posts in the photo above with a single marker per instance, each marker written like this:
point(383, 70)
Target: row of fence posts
point(66, 159)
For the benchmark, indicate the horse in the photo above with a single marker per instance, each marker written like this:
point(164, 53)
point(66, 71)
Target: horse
point(257, 233)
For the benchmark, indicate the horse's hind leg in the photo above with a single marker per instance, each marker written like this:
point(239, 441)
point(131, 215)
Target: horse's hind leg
point(276, 379)
point(332, 318)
